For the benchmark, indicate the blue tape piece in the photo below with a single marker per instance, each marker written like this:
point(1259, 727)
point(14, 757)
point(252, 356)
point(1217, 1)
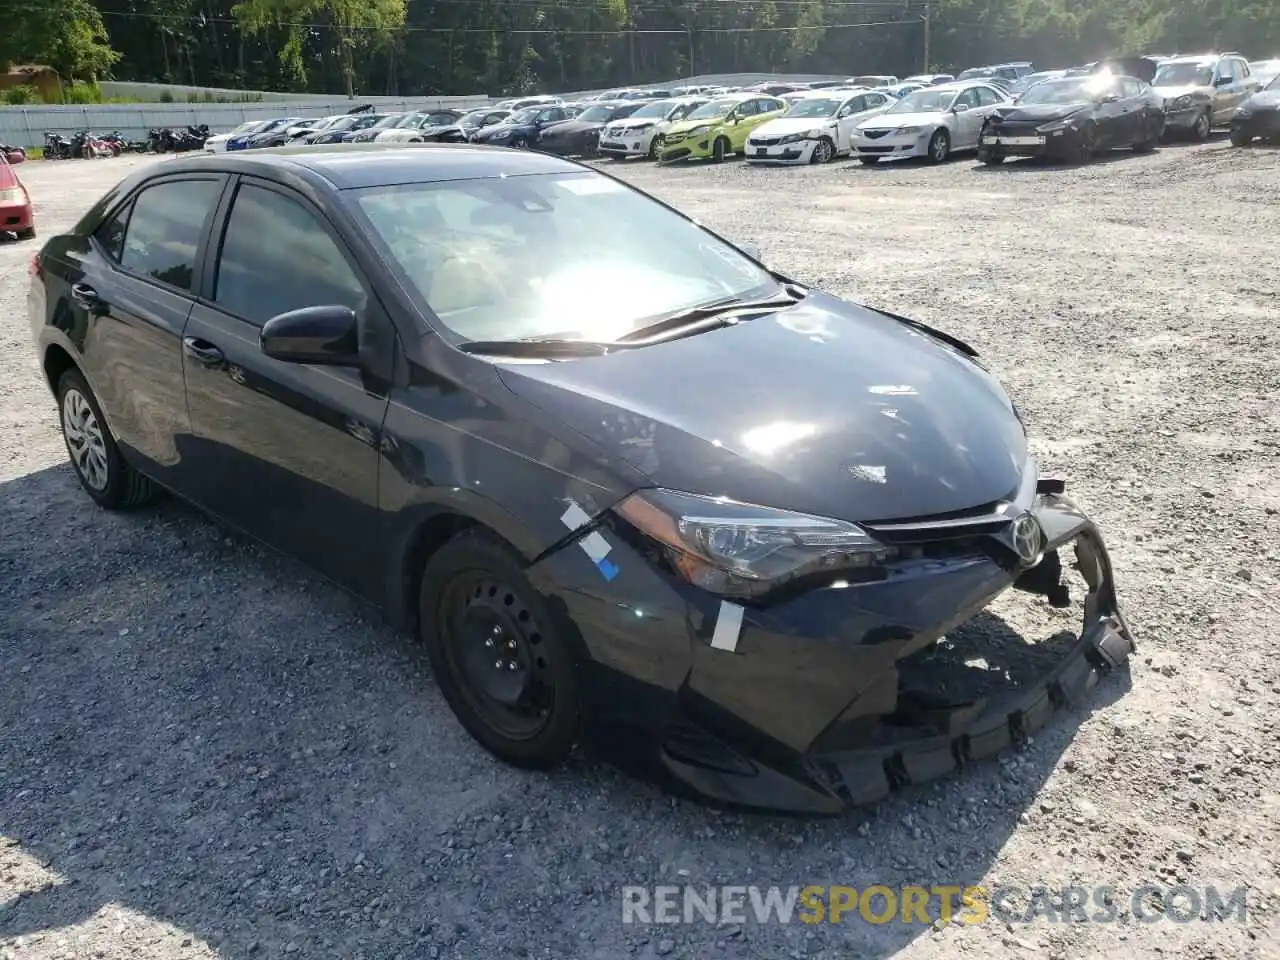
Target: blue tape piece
point(608, 569)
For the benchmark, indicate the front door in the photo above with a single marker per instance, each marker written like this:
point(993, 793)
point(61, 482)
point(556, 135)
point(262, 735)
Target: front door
point(287, 452)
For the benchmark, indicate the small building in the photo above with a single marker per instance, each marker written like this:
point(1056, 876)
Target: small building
point(43, 79)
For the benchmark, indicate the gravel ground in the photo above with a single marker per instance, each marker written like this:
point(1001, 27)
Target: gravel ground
point(205, 751)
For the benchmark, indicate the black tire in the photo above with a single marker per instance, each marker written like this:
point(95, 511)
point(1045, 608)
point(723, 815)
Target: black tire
point(824, 151)
point(868, 161)
point(939, 146)
point(520, 143)
point(719, 150)
point(1147, 145)
point(1086, 144)
point(1203, 126)
point(1238, 139)
point(475, 603)
point(990, 159)
point(655, 145)
point(27, 234)
point(117, 486)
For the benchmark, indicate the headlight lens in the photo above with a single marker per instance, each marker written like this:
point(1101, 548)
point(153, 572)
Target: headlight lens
point(793, 138)
point(742, 550)
point(641, 127)
point(1182, 101)
point(909, 130)
point(700, 129)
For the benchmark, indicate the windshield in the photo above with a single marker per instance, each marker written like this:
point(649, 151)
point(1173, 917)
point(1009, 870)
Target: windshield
point(868, 81)
point(1183, 74)
point(597, 114)
point(527, 115)
point(1065, 91)
point(924, 101)
point(519, 257)
point(391, 120)
point(253, 126)
point(658, 108)
point(814, 107)
point(475, 119)
point(713, 109)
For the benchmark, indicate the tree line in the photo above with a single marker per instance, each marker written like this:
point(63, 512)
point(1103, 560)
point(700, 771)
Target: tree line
point(428, 47)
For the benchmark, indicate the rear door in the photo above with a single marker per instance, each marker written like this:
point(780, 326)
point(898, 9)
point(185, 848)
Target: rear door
point(285, 451)
point(130, 291)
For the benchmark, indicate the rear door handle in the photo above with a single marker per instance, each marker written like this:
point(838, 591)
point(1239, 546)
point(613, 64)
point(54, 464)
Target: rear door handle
point(203, 352)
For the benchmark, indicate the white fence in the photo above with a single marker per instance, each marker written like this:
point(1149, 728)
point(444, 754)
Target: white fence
point(26, 126)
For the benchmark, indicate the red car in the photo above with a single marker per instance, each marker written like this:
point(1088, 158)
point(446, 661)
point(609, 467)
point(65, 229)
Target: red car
point(15, 204)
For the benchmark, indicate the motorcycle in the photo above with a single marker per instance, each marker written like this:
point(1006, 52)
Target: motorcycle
point(85, 146)
point(56, 147)
point(116, 142)
point(15, 155)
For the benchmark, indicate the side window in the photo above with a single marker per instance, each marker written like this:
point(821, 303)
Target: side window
point(969, 98)
point(679, 113)
point(164, 230)
point(1242, 69)
point(276, 257)
point(1130, 87)
point(555, 113)
point(111, 234)
point(873, 100)
point(987, 98)
point(1226, 70)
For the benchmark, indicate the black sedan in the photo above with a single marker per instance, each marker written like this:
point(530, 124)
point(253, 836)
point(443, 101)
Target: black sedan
point(522, 128)
point(468, 124)
point(1074, 118)
point(347, 125)
point(580, 137)
point(721, 528)
point(1258, 118)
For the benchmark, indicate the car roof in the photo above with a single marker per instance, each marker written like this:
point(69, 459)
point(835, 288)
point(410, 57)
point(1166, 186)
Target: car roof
point(1202, 58)
point(356, 165)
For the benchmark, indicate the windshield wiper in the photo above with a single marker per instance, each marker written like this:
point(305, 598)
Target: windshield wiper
point(535, 348)
point(714, 314)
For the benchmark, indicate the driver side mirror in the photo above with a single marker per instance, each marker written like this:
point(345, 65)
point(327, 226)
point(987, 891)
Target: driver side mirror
point(326, 335)
point(960, 108)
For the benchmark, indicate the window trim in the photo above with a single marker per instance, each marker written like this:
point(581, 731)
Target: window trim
point(218, 236)
point(129, 205)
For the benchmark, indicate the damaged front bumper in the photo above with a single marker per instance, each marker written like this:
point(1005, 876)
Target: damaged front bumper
point(837, 696)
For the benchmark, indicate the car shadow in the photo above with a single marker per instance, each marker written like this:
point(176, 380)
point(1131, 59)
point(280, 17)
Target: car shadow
point(202, 736)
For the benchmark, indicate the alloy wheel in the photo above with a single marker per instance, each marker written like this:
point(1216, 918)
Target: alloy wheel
point(84, 440)
point(822, 152)
point(939, 147)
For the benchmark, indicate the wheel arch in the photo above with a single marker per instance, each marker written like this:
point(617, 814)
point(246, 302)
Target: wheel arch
point(56, 361)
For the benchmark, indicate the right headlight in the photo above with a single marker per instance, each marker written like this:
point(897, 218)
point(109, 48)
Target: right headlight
point(1182, 102)
point(742, 550)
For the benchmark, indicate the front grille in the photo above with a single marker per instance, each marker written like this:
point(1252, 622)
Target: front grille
point(764, 141)
point(875, 134)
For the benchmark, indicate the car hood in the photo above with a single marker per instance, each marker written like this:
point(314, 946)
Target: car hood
point(826, 408)
point(784, 126)
point(628, 123)
point(569, 128)
point(892, 121)
point(1039, 112)
point(684, 126)
point(1266, 100)
point(1173, 92)
point(1143, 68)
point(490, 130)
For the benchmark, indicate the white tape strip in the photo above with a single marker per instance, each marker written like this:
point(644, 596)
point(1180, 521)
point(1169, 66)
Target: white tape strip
point(575, 517)
point(597, 547)
point(728, 627)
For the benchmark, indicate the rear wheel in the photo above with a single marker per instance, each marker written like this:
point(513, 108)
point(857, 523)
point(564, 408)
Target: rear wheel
point(99, 467)
point(497, 653)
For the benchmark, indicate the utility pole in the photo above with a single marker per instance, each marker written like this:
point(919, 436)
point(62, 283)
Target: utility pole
point(691, 70)
point(924, 19)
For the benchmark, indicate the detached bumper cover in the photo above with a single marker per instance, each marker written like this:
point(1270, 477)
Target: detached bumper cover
point(832, 698)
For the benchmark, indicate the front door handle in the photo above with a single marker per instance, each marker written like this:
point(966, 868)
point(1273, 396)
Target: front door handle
point(203, 352)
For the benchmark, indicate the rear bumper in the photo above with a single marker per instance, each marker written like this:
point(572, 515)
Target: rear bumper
point(16, 216)
point(835, 697)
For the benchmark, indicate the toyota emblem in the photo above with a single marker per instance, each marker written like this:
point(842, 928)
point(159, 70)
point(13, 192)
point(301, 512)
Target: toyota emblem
point(1028, 539)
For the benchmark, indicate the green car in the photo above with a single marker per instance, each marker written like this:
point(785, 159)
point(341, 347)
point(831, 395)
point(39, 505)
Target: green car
point(719, 127)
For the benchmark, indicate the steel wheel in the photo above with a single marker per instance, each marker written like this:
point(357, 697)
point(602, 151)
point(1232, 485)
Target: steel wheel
point(495, 648)
point(84, 438)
